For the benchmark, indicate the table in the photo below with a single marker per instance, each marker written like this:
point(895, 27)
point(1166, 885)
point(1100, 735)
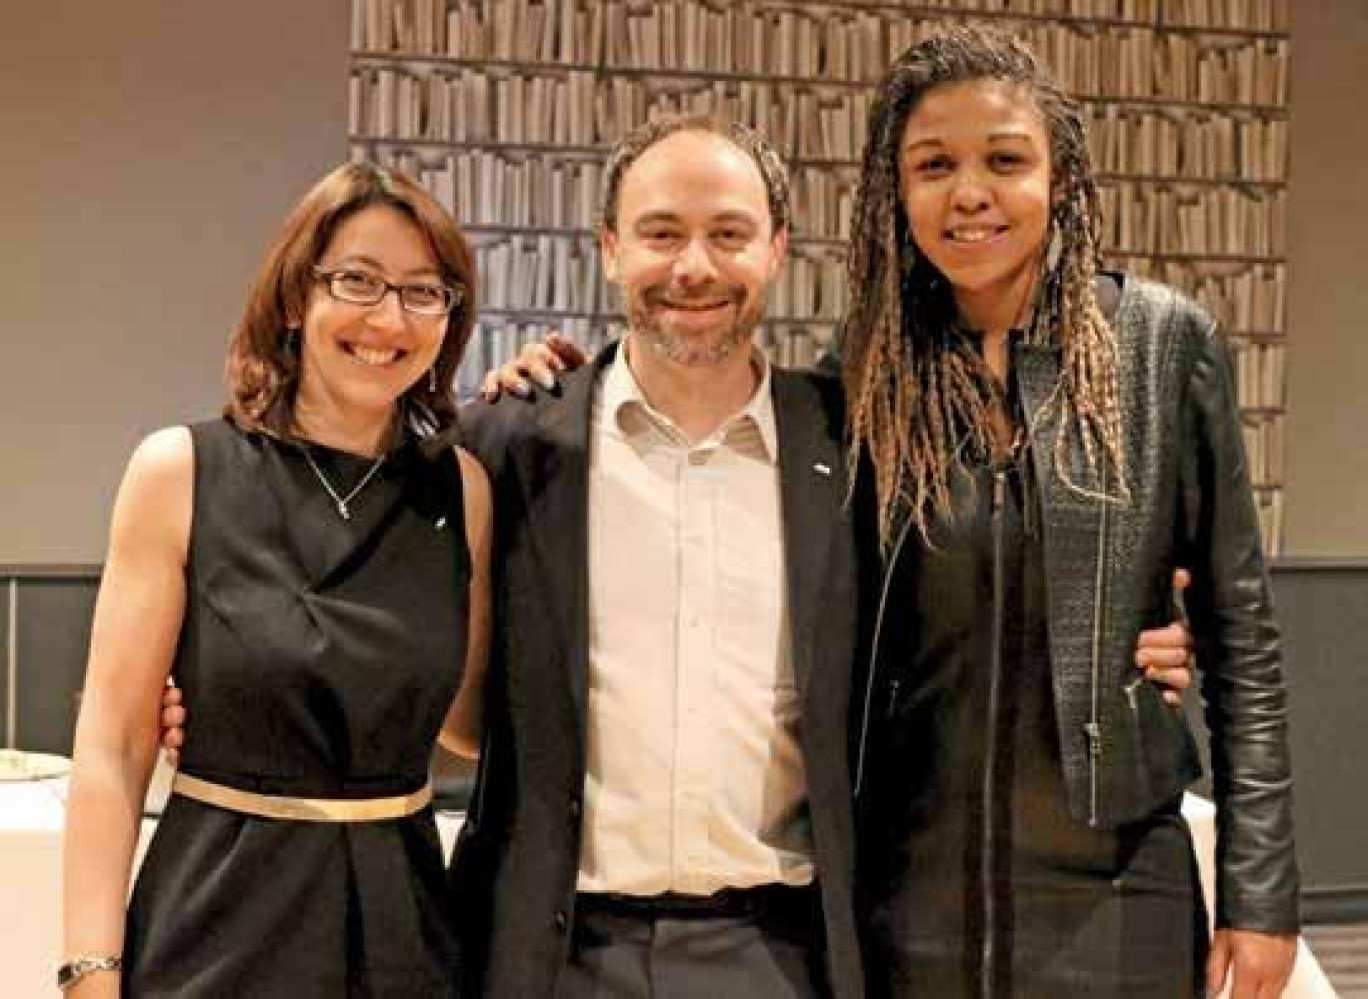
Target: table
point(1307, 981)
point(32, 815)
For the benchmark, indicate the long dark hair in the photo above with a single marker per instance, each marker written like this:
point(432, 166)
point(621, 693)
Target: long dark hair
point(914, 386)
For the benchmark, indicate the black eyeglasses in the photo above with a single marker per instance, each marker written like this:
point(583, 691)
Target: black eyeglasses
point(422, 298)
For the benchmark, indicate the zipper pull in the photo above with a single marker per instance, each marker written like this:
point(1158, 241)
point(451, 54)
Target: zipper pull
point(999, 490)
point(1094, 734)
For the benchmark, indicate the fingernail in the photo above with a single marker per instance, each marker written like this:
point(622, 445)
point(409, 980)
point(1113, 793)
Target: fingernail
point(522, 390)
point(547, 382)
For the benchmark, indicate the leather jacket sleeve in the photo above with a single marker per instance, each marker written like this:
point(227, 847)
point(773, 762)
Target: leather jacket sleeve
point(1239, 654)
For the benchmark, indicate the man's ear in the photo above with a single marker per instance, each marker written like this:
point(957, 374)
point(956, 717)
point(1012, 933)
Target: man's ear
point(780, 243)
point(608, 247)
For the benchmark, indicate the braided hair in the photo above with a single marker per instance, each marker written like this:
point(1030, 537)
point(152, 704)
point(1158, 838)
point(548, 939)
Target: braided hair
point(913, 384)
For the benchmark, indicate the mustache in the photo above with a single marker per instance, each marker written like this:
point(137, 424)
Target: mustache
point(711, 293)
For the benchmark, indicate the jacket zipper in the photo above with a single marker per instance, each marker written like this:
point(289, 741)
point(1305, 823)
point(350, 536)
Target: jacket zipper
point(989, 787)
point(475, 809)
point(874, 654)
point(1093, 728)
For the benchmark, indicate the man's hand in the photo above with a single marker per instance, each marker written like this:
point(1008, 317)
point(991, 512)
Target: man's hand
point(172, 724)
point(1164, 655)
point(538, 363)
point(1260, 963)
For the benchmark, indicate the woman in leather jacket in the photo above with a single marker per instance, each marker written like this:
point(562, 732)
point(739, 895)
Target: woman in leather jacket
point(1045, 443)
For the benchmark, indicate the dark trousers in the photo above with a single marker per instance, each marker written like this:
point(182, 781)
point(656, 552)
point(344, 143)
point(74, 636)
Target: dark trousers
point(759, 943)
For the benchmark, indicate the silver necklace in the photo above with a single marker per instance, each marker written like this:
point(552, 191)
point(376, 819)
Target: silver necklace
point(343, 509)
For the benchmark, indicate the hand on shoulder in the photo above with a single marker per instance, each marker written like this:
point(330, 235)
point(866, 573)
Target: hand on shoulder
point(539, 364)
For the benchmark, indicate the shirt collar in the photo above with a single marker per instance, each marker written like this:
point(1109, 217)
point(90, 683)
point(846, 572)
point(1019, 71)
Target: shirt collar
point(622, 395)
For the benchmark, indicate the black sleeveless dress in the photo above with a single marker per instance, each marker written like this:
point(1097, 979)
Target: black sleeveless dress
point(318, 657)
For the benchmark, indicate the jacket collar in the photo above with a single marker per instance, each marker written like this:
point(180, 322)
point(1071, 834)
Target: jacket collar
point(812, 482)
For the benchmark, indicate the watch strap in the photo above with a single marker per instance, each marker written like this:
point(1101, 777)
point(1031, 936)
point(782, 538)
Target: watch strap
point(78, 968)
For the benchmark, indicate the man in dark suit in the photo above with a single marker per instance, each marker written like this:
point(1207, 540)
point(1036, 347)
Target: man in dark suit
point(663, 806)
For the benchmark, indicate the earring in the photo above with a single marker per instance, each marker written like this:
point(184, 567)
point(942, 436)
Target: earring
point(907, 261)
point(432, 380)
point(1055, 250)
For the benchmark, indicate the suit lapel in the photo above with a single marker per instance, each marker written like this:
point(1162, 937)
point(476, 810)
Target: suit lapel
point(555, 475)
point(812, 483)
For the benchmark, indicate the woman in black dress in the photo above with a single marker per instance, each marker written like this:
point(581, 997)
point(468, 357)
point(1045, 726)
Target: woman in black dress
point(1046, 444)
point(313, 571)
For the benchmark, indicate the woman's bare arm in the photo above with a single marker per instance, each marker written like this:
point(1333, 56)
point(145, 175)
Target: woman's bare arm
point(464, 721)
point(133, 640)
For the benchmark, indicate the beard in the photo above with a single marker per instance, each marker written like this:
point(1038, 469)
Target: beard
point(694, 349)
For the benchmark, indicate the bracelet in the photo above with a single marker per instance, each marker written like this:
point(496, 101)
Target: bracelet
point(78, 968)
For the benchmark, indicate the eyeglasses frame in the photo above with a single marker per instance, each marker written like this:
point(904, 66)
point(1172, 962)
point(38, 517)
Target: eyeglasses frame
point(326, 277)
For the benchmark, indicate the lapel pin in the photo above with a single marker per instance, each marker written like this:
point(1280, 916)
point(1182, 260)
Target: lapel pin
point(824, 469)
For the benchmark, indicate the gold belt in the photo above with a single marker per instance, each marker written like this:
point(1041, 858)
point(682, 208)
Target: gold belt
point(278, 806)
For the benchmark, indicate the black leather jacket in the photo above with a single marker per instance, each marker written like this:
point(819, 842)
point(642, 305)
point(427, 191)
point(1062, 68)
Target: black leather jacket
point(1125, 752)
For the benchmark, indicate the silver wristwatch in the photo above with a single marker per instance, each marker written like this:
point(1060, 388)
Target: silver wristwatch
point(78, 967)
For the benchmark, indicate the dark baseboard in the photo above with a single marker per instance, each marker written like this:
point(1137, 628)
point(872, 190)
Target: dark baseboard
point(1335, 905)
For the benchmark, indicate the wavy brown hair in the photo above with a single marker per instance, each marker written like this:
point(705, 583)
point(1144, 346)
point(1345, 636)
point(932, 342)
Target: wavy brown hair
point(263, 358)
point(915, 385)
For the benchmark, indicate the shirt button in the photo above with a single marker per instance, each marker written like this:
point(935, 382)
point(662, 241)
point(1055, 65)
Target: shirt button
point(698, 457)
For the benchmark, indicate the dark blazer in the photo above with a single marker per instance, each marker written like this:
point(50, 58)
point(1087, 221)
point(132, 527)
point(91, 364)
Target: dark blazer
point(515, 866)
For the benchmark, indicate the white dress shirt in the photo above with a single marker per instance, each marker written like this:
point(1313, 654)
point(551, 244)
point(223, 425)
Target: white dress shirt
point(695, 778)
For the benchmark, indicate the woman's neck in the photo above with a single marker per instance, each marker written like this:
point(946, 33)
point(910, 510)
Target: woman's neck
point(994, 313)
point(367, 434)
point(999, 310)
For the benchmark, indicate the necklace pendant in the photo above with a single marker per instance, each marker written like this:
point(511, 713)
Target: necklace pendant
point(343, 510)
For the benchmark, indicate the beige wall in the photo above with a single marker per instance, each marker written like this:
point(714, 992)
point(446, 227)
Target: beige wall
point(149, 149)
point(1327, 455)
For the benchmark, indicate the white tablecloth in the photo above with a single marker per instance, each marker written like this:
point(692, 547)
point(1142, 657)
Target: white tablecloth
point(32, 815)
point(1307, 981)
point(31, 818)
